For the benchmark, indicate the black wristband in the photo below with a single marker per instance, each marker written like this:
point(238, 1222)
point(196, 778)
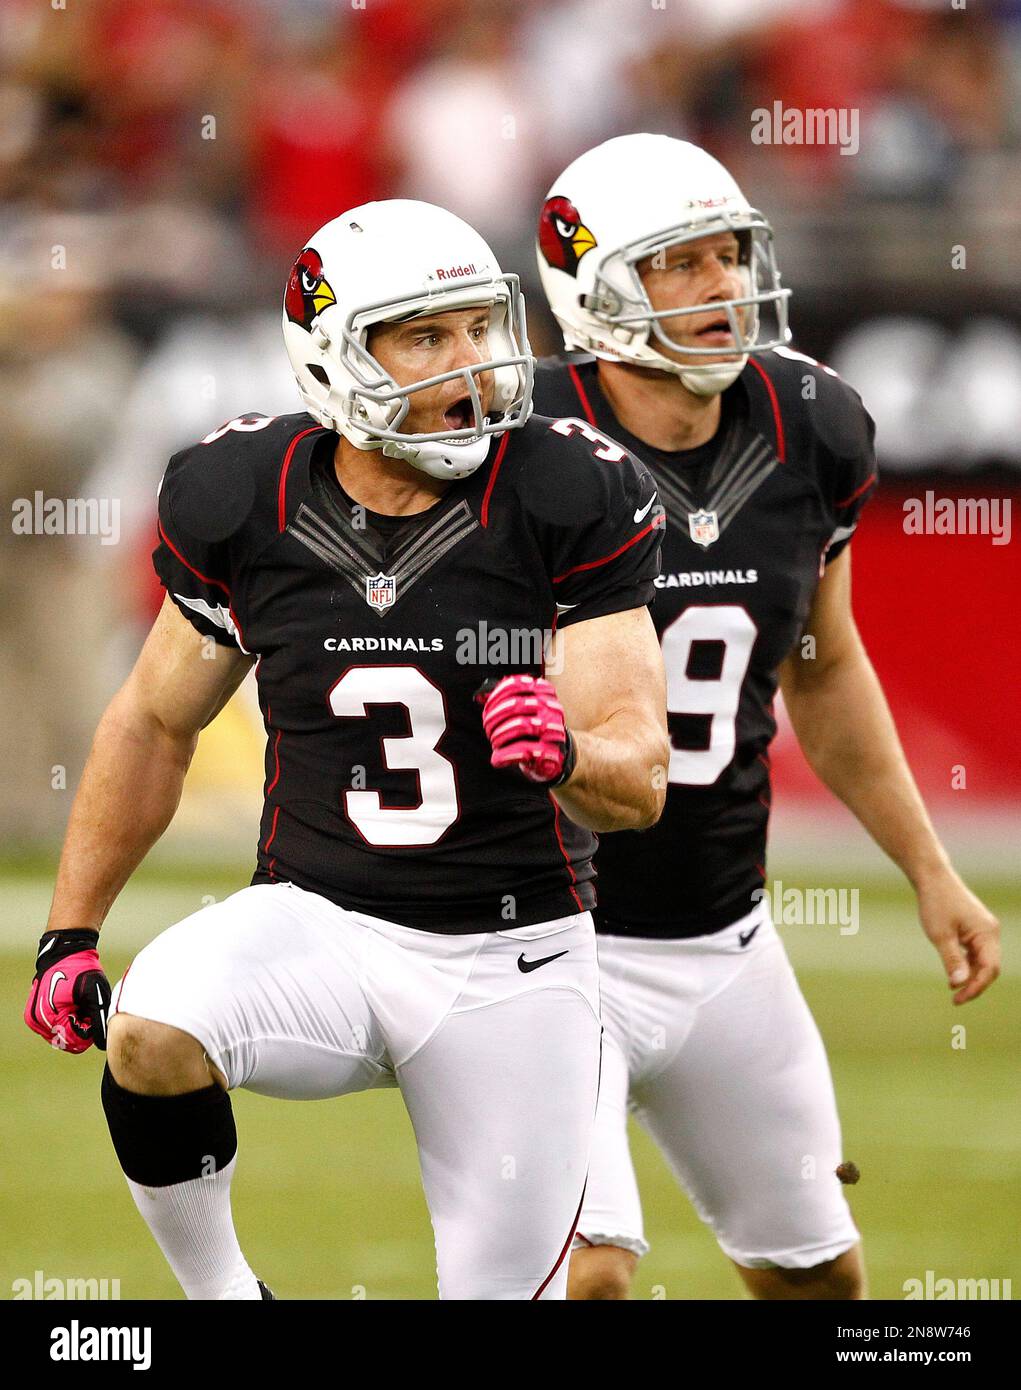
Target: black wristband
point(56, 945)
point(570, 761)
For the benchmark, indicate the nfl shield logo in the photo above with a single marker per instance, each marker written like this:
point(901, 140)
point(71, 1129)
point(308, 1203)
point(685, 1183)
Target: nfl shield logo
point(704, 528)
point(380, 591)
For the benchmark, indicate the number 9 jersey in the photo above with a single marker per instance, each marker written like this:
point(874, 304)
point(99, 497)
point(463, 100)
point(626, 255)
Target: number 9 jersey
point(373, 634)
point(753, 518)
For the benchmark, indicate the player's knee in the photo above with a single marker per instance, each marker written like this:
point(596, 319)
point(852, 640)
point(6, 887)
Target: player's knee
point(838, 1280)
point(601, 1272)
point(830, 1281)
point(841, 1279)
point(154, 1059)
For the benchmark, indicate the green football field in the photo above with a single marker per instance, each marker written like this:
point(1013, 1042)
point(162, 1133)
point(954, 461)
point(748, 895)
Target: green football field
point(327, 1196)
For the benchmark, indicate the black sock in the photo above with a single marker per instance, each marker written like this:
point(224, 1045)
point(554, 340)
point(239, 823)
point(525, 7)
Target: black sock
point(161, 1140)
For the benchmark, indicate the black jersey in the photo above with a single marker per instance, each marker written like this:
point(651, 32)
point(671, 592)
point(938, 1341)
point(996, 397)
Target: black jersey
point(373, 634)
point(752, 518)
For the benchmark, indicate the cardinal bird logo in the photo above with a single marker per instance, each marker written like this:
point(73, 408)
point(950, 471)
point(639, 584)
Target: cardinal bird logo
point(308, 294)
point(563, 240)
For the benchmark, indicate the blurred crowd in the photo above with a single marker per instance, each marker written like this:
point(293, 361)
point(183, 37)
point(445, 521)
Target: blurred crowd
point(162, 161)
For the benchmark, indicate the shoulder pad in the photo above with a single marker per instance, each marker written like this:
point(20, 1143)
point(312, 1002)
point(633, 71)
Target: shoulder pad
point(574, 469)
point(212, 487)
point(815, 401)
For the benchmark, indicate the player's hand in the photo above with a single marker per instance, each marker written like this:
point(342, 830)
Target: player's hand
point(524, 721)
point(964, 932)
point(69, 1001)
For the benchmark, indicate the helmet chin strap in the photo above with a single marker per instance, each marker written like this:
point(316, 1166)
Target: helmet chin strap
point(701, 380)
point(707, 380)
point(441, 458)
point(711, 380)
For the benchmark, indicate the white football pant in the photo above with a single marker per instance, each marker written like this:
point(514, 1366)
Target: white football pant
point(710, 1043)
point(493, 1039)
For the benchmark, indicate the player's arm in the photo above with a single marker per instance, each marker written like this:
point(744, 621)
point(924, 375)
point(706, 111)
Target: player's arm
point(134, 775)
point(843, 723)
point(594, 730)
point(613, 692)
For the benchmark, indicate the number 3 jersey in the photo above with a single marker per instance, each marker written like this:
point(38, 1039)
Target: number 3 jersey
point(373, 634)
point(753, 517)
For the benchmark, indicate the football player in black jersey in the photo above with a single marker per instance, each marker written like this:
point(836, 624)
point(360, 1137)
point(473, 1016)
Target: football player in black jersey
point(392, 562)
point(658, 269)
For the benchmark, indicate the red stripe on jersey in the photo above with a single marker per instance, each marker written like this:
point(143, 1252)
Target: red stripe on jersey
point(273, 830)
point(276, 759)
point(567, 1246)
point(282, 488)
point(589, 412)
point(605, 560)
point(857, 492)
point(781, 446)
point(570, 870)
point(484, 514)
point(172, 547)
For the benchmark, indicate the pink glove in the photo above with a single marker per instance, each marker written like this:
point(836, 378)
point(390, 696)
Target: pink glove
point(524, 721)
point(69, 1001)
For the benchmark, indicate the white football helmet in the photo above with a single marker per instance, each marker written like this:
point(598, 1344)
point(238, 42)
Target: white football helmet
point(386, 262)
point(625, 200)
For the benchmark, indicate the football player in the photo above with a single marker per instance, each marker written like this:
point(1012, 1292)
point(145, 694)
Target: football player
point(658, 269)
point(420, 912)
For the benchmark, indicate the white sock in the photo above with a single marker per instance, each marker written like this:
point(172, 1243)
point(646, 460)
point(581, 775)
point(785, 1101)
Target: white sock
point(194, 1228)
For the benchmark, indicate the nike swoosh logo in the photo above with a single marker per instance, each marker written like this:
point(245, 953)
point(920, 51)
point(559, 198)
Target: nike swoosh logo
point(526, 965)
point(101, 1011)
point(54, 981)
point(643, 513)
point(745, 936)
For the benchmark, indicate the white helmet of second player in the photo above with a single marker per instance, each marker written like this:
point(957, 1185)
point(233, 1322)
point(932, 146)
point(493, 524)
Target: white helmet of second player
point(624, 201)
point(388, 262)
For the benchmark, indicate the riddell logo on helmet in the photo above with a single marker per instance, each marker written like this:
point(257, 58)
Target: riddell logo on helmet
point(456, 271)
point(707, 202)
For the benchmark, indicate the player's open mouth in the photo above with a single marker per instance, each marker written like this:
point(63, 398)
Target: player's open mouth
point(716, 332)
point(460, 415)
